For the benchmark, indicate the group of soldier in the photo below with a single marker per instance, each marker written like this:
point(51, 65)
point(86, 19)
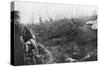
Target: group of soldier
point(36, 53)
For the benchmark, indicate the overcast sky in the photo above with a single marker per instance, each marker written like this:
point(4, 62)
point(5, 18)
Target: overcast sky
point(29, 10)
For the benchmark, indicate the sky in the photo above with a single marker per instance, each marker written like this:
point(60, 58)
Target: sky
point(30, 11)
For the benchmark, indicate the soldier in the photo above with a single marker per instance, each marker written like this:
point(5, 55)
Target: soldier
point(29, 42)
point(35, 53)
